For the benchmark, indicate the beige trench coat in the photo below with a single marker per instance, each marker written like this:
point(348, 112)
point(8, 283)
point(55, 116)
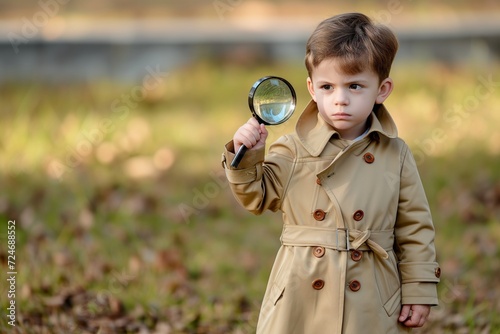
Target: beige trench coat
point(358, 238)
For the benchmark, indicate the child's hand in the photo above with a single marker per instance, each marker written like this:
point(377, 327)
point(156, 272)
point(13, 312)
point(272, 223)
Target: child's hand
point(251, 134)
point(418, 316)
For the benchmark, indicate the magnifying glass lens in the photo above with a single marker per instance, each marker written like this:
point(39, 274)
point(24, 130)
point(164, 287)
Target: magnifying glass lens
point(273, 101)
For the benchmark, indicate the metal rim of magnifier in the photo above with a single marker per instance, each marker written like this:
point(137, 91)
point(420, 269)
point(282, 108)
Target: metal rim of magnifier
point(254, 89)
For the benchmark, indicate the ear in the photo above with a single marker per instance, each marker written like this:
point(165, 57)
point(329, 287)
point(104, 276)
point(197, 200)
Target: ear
point(384, 90)
point(310, 88)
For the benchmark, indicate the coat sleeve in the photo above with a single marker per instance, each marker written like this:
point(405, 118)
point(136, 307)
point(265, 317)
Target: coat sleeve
point(414, 238)
point(260, 184)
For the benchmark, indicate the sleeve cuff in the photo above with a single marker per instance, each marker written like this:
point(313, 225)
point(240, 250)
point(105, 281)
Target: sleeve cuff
point(251, 158)
point(249, 169)
point(419, 293)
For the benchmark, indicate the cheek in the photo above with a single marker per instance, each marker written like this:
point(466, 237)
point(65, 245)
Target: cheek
point(321, 102)
point(319, 97)
point(324, 114)
point(322, 106)
point(365, 107)
point(326, 100)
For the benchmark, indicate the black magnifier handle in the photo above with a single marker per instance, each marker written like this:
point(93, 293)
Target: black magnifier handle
point(239, 155)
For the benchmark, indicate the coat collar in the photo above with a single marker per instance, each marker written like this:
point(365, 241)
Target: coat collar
point(314, 133)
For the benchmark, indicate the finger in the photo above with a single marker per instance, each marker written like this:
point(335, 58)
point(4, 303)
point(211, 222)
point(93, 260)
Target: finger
point(247, 137)
point(252, 121)
point(416, 320)
point(413, 322)
point(422, 321)
point(252, 134)
point(420, 314)
point(410, 323)
point(263, 132)
point(405, 312)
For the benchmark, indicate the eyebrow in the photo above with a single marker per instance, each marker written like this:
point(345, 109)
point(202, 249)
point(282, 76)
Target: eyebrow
point(358, 81)
point(349, 82)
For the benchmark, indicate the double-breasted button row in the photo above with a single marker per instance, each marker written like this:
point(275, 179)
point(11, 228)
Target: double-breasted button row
point(354, 285)
point(319, 251)
point(318, 284)
point(319, 214)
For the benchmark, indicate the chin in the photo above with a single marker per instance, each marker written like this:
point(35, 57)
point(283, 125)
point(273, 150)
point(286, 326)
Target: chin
point(341, 125)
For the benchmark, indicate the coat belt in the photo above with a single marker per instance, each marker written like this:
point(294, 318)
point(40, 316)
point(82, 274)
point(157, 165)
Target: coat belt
point(340, 239)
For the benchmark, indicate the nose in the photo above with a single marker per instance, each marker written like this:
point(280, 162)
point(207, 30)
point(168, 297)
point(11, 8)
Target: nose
point(341, 98)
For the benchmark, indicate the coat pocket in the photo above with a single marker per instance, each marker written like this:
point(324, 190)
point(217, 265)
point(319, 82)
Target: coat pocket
point(276, 293)
point(280, 280)
point(388, 283)
point(393, 303)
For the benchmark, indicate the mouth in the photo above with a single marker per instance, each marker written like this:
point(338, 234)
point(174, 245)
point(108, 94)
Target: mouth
point(341, 115)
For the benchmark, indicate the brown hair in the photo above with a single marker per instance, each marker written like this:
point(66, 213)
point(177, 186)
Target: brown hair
point(355, 41)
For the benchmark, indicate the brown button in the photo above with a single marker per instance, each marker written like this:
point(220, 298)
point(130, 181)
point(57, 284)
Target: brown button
point(354, 285)
point(318, 284)
point(318, 181)
point(358, 215)
point(319, 251)
point(437, 272)
point(319, 214)
point(369, 158)
point(356, 255)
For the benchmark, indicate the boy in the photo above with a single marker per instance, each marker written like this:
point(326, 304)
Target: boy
point(357, 252)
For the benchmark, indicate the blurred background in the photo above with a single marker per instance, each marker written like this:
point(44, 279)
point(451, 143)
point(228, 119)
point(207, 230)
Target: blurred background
point(114, 116)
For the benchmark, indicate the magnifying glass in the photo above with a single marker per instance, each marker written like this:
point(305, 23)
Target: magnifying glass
point(272, 101)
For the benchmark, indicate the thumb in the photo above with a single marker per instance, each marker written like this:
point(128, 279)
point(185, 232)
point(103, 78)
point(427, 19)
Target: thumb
point(405, 312)
point(263, 136)
point(263, 132)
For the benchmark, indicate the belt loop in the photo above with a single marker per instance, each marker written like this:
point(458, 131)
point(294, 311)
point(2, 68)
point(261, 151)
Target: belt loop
point(348, 246)
point(337, 233)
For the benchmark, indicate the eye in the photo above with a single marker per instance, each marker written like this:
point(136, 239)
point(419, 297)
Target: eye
point(326, 87)
point(355, 86)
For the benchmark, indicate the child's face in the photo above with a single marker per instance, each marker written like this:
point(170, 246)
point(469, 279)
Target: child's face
point(345, 101)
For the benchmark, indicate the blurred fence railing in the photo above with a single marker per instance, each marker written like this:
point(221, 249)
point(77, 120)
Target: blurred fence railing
point(61, 50)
